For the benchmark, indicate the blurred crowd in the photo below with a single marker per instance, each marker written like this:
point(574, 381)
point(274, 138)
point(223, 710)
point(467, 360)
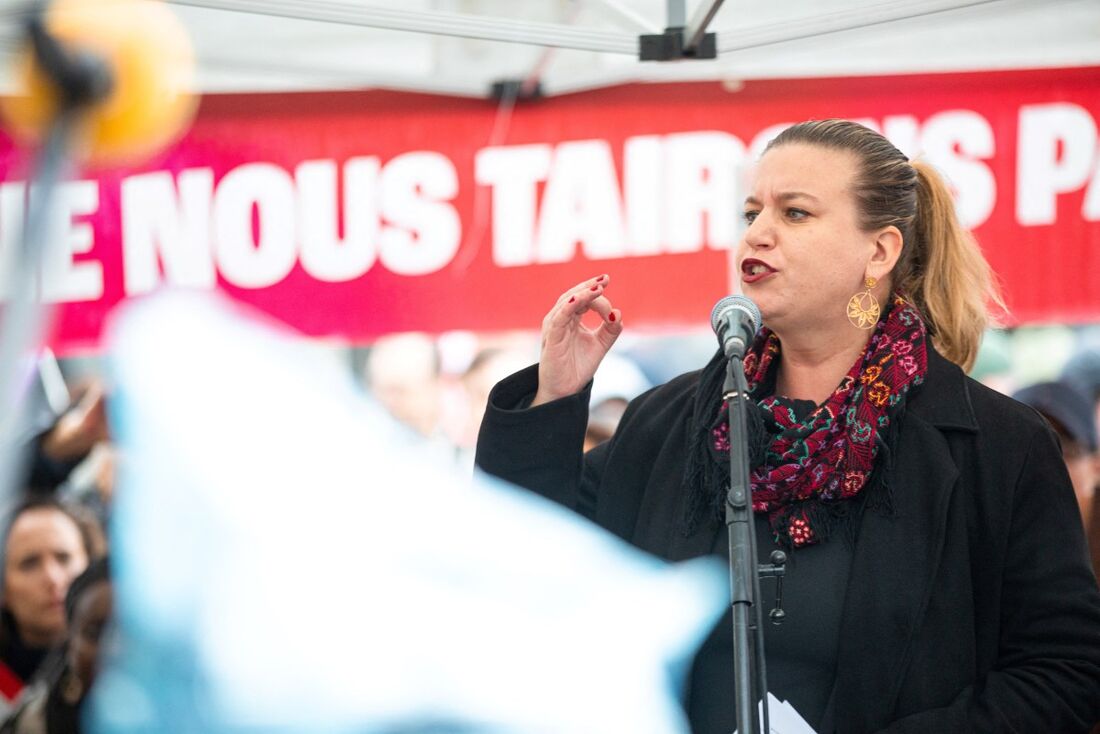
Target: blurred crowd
point(56, 600)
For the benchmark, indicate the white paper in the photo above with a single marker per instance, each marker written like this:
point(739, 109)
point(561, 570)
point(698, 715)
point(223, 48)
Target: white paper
point(783, 718)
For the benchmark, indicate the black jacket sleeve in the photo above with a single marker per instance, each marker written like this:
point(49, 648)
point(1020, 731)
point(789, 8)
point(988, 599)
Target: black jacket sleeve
point(540, 448)
point(1047, 675)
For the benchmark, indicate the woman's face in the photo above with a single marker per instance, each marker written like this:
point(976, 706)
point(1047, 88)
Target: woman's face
point(90, 616)
point(803, 255)
point(44, 554)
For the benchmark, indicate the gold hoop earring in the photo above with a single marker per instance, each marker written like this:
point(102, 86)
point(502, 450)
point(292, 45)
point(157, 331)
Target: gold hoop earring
point(863, 310)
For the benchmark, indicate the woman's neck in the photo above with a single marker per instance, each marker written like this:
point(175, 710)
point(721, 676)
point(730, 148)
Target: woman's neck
point(811, 369)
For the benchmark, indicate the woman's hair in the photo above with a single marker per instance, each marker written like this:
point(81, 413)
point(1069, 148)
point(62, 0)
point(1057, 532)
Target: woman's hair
point(941, 268)
point(97, 571)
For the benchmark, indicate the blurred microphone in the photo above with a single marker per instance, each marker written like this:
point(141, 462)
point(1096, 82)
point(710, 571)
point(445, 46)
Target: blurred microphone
point(138, 87)
point(735, 319)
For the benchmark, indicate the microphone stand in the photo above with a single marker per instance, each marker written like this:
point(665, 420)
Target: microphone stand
point(749, 678)
point(80, 80)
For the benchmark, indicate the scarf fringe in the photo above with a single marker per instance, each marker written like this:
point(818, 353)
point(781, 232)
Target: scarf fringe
point(703, 506)
point(704, 488)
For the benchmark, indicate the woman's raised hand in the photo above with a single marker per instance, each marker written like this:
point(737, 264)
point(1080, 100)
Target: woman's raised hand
point(571, 351)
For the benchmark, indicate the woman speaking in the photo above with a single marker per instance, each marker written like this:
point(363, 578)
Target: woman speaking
point(938, 579)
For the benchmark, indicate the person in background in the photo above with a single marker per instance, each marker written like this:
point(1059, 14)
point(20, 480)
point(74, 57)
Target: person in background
point(64, 440)
point(403, 373)
point(937, 579)
point(1070, 414)
point(45, 547)
point(82, 434)
point(603, 421)
point(993, 365)
point(617, 381)
point(53, 704)
point(1083, 371)
point(489, 366)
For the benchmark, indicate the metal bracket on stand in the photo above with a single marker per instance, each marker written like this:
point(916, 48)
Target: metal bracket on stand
point(682, 39)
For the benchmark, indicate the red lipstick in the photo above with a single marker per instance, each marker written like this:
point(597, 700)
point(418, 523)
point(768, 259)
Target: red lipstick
point(753, 270)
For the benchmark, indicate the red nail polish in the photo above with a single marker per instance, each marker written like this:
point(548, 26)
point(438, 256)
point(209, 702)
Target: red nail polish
point(572, 298)
point(594, 288)
point(611, 316)
point(600, 279)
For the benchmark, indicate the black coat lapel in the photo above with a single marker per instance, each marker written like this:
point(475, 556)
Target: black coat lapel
point(895, 560)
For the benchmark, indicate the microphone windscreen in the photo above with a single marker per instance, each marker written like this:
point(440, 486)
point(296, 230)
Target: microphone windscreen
point(151, 63)
point(738, 303)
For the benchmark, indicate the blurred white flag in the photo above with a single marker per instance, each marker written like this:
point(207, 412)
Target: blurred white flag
point(288, 561)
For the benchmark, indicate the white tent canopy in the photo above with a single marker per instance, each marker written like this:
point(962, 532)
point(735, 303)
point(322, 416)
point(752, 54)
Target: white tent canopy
point(276, 45)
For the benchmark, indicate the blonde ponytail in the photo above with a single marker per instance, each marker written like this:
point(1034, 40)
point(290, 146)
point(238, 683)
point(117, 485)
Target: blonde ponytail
point(944, 272)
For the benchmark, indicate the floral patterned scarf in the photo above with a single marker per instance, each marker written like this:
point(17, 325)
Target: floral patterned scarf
point(811, 465)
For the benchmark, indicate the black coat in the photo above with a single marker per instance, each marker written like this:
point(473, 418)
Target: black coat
point(971, 608)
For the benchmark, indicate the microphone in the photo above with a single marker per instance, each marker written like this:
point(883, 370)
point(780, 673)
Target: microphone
point(129, 61)
point(735, 320)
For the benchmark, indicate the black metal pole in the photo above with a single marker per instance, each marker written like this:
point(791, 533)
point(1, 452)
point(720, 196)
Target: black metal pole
point(749, 679)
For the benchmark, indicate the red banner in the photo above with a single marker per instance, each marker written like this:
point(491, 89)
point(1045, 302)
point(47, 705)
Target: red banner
point(352, 214)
